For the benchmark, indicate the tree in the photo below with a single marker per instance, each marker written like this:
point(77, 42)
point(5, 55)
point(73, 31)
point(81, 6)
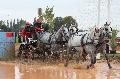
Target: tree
point(113, 40)
point(11, 25)
point(49, 16)
point(58, 22)
point(68, 20)
point(18, 22)
point(7, 23)
point(4, 27)
point(22, 23)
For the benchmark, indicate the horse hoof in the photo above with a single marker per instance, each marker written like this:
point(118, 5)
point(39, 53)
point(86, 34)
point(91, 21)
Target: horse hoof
point(65, 64)
point(110, 67)
point(88, 67)
point(92, 66)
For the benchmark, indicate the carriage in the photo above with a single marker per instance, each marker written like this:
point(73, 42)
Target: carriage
point(66, 44)
point(40, 44)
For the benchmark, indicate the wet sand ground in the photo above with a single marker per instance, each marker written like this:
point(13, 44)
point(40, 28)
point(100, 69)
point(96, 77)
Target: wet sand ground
point(24, 71)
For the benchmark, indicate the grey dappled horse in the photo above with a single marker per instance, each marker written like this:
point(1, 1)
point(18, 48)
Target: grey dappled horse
point(49, 38)
point(87, 40)
point(54, 39)
point(89, 44)
point(106, 35)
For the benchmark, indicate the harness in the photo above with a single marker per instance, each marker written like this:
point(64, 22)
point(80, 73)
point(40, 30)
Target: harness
point(82, 43)
point(49, 40)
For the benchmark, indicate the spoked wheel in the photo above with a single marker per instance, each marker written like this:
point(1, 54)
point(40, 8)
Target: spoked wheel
point(23, 56)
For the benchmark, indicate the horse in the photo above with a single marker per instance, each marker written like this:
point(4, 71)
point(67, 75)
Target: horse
point(106, 35)
point(58, 45)
point(82, 39)
point(50, 40)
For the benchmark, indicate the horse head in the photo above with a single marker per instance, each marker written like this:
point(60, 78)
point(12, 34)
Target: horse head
point(73, 29)
point(95, 35)
point(62, 33)
point(106, 31)
point(65, 32)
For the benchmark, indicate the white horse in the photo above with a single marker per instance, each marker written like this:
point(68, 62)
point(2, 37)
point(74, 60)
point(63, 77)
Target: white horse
point(49, 38)
point(50, 41)
point(88, 39)
point(106, 35)
point(77, 40)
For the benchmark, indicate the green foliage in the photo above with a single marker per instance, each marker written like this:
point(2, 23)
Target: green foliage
point(12, 26)
point(49, 16)
point(15, 26)
point(113, 39)
point(4, 27)
point(46, 26)
point(58, 22)
point(68, 20)
point(22, 23)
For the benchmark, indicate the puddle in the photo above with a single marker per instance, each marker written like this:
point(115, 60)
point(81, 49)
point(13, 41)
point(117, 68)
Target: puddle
point(55, 72)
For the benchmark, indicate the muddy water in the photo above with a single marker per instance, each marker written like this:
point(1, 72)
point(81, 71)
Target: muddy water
point(18, 71)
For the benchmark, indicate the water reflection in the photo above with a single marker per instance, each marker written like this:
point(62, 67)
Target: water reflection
point(54, 72)
point(17, 72)
point(6, 71)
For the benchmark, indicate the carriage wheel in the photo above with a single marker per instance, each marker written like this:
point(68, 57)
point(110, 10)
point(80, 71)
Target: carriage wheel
point(23, 56)
point(29, 56)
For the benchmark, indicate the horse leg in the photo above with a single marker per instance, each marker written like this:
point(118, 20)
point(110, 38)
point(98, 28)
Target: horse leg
point(84, 54)
point(109, 65)
point(93, 60)
point(106, 57)
point(78, 54)
point(43, 56)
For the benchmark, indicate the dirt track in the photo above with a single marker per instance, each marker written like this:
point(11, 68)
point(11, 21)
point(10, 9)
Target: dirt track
point(24, 71)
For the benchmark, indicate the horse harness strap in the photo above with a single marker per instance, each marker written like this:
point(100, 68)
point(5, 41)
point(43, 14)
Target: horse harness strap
point(87, 39)
point(82, 43)
point(49, 40)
